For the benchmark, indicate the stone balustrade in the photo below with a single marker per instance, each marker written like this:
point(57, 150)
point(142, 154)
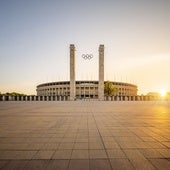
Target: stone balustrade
point(67, 98)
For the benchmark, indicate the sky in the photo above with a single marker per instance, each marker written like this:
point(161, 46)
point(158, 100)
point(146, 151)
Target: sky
point(35, 36)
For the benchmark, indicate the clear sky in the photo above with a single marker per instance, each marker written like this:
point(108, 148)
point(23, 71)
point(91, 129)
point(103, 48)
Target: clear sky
point(35, 36)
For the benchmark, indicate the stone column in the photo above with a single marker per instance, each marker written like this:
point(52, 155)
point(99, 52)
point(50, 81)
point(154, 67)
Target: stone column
point(101, 73)
point(72, 72)
point(3, 98)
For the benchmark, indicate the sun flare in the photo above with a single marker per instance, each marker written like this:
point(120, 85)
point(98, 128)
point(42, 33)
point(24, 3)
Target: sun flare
point(163, 92)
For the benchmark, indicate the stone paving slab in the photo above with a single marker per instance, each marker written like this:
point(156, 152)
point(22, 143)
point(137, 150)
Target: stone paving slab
point(85, 135)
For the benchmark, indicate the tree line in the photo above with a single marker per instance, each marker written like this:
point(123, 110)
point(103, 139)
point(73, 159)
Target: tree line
point(12, 94)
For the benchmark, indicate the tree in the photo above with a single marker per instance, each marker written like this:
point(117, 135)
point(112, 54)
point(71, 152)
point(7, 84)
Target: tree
point(14, 94)
point(109, 89)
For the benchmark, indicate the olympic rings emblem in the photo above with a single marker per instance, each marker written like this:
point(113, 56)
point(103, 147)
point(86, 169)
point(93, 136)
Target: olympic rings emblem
point(87, 56)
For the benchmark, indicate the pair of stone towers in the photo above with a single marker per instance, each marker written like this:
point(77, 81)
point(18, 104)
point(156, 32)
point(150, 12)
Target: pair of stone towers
point(72, 73)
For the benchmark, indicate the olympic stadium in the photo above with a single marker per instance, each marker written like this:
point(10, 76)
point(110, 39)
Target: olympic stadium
point(73, 89)
point(84, 89)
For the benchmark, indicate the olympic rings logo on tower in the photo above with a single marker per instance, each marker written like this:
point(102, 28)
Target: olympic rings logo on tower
point(87, 56)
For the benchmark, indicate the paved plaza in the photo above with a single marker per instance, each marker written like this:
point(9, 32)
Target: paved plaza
point(85, 135)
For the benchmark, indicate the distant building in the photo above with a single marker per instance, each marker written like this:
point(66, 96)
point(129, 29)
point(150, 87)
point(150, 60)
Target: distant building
point(154, 95)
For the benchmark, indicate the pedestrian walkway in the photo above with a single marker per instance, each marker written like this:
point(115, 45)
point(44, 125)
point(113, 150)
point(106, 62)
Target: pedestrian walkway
point(85, 135)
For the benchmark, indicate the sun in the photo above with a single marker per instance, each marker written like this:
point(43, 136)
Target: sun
point(163, 92)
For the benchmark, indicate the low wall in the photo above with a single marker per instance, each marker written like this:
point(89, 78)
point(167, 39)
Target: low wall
point(34, 98)
point(66, 98)
point(131, 98)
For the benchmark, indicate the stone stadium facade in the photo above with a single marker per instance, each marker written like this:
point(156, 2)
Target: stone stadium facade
point(84, 89)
